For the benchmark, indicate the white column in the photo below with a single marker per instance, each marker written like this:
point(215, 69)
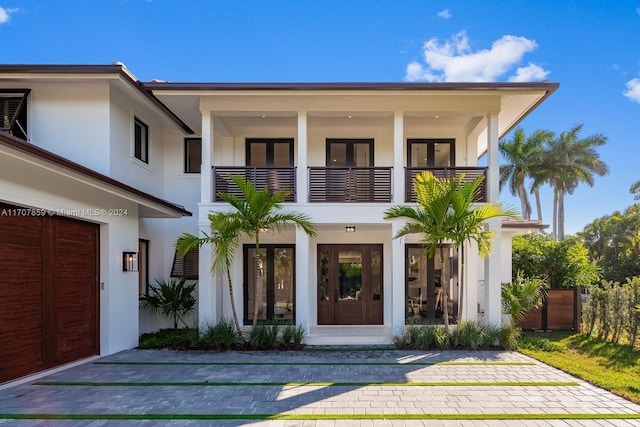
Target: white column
point(206, 179)
point(302, 191)
point(471, 258)
point(398, 297)
point(493, 178)
point(207, 310)
point(492, 276)
point(207, 294)
point(398, 157)
point(305, 287)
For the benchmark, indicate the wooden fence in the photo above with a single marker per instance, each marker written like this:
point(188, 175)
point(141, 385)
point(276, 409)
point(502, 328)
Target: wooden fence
point(562, 311)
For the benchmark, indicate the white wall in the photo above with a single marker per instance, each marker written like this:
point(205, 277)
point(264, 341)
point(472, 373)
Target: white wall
point(72, 120)
point(28, 185)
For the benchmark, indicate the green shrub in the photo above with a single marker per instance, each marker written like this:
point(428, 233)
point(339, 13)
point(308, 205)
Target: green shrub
point(467, 335)
point(534, 343)
point(509, 337)
point(490, 336)
point(170, 338)
point(173, 299)
point(220, 336)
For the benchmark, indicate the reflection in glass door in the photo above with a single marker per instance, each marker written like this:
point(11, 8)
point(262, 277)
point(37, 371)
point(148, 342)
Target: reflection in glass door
point(350, 284)
point(424, 287)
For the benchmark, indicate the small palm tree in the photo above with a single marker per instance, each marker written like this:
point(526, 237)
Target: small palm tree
point(521, 296)
point(445, 212)
point(225, 234)
point(252, 214)
point(173, 298)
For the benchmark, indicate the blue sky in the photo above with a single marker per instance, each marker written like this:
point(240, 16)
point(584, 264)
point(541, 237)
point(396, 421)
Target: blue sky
point(592, 48)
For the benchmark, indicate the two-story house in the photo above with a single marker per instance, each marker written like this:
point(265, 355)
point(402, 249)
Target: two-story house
point(100, 139)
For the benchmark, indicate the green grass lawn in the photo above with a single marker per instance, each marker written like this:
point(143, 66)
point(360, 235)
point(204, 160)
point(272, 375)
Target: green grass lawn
point(611, 366)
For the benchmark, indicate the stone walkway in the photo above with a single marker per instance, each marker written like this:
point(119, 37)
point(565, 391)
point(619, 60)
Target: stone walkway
point(302, 384)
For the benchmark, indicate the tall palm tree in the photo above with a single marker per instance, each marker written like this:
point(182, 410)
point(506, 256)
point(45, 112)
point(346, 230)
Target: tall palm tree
point(572, 161)
point(445, 212)
point(255, 212)
point(516, 152)
point(523, 156)
point(539, 175)
point(225, 234)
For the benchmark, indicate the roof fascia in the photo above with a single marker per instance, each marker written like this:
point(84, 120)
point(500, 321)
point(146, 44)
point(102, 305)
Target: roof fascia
point(120, 188)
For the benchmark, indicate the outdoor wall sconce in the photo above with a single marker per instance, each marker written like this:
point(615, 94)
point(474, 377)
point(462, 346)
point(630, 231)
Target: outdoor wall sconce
point(350, 229)
point(129, 261)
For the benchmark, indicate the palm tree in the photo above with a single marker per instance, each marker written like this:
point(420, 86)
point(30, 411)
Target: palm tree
point(571, 161)
point(517, 153)
point(225, 234)
point(173, 298)
point(523, 156)
point(445, 212)
point(255, 213)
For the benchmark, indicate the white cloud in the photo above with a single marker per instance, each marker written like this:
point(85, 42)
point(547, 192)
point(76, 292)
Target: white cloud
point(455, 61)
point(530, 73)
point(444, 14)
point(5, 14)
point(633, 90)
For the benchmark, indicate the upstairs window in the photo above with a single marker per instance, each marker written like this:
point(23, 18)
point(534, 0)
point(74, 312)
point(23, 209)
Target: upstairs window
point(13, 112)
point(192, 155)
point(140, 140)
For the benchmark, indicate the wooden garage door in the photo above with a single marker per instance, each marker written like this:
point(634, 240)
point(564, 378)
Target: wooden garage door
point(48, 291)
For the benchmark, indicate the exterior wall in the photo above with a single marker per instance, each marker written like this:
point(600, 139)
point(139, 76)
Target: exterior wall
point(21, 184)
point(72, 120)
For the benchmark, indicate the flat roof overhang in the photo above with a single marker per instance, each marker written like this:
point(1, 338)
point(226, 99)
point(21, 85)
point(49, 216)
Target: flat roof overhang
point(31, 156)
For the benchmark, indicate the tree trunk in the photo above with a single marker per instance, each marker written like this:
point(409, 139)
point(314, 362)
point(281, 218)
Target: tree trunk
point(258, 291)
point(525, 206)
point(461, 281)
point(555, 213)
point(233, 303)
point(444, 285)
point(536, 191)
point(561, 193)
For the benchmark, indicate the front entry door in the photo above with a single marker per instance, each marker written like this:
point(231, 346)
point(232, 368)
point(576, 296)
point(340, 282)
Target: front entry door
point(350, 285)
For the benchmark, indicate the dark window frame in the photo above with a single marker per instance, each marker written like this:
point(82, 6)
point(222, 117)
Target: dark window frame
point(188, 167)
point(270, 142)
point(431, 146)
point(17, 120)
point(143, 267)
point(350, 144)
point(269, 281)
point(140, 140)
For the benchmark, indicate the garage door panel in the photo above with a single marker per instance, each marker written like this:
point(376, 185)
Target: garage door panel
point(75, 291)
point(21, 321)
point(48, 293)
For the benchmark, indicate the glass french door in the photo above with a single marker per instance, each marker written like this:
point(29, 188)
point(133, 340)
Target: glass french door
point(276, 288)
point(425, 286)
point(350, 285)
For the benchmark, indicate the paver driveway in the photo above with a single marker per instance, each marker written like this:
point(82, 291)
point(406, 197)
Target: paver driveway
point(312, 388)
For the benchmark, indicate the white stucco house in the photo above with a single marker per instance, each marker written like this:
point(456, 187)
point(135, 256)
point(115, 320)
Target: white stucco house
point(98, 169)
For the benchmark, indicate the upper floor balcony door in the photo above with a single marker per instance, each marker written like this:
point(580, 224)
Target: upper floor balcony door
point(269, 163)
point(349, 175)
point(430, 153)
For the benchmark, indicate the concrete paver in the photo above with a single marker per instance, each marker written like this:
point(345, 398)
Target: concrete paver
point(375, 366)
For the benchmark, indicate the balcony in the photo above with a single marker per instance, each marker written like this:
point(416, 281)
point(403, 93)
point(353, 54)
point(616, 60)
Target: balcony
point(470, 174)
point(275, 179)
point(350, 184)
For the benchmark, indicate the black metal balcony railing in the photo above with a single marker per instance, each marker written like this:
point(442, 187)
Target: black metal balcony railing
point(350, 184)
point(275, 179)
point(470, 174)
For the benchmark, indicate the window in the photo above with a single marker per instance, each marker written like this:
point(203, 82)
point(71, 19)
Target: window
point(431, 153)
point(140, 140)
point(277, 299)
point(13, 112)
point(143, 267)
point(424, 291)
point(276, 153)
point(186, 266)
point(192, 155)
point(350, 152)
